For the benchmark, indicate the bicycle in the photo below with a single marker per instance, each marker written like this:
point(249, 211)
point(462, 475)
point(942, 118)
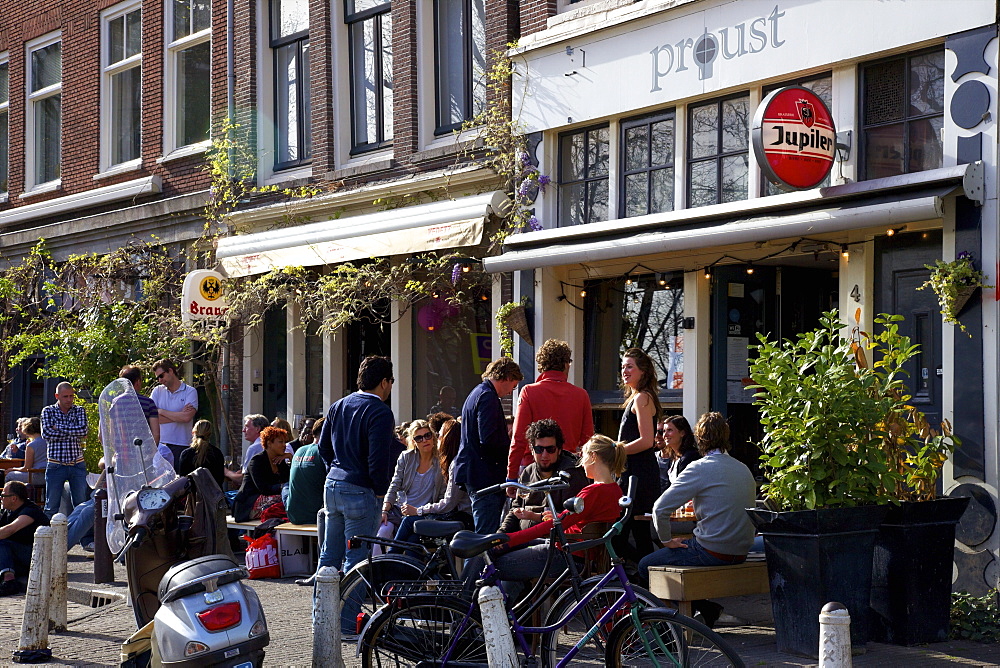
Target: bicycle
point(441, 626)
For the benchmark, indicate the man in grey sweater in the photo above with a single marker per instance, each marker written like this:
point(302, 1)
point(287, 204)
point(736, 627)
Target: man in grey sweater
point(722, 488)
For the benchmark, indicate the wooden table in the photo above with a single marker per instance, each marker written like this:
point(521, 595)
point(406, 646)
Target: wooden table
point(6, 464)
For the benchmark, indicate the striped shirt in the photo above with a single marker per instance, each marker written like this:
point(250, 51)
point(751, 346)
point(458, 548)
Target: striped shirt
point(64, 433)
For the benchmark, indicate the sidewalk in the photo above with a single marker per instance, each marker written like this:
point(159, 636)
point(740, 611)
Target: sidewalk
point(94, 635)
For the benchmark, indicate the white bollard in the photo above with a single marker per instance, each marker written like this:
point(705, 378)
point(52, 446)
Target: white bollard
point(835, 636)
point(326, 619)
point(500, 651)
point(34, 642)
point(57, 595)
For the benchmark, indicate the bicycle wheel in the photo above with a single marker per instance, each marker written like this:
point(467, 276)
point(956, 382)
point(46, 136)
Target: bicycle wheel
point(363, 584)
point(423, 631)
point(556, 644)
point(671, 640)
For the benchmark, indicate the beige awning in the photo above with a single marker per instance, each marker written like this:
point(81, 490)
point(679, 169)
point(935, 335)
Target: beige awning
point(416, 229)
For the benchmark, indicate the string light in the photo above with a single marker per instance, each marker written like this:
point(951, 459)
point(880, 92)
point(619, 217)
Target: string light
point(845, 252)
point(708, 272)
point(583, 293)
point(890, 232)
point(663, 279)
point(749, 268)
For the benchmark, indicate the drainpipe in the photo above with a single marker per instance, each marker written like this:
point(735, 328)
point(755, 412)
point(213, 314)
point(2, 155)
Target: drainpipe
point(230, 112)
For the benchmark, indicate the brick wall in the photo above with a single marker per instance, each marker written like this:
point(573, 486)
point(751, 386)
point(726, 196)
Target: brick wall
point(535, 14)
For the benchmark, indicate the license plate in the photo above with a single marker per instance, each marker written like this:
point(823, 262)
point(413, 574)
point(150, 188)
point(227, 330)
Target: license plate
point(245, 664)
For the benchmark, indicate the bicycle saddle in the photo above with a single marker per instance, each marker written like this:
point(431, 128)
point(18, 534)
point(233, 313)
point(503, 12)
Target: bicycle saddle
point(467, 544)
point(436, 528)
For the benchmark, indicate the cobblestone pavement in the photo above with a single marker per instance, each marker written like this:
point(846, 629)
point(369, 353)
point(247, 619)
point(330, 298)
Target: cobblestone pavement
point(95, 635)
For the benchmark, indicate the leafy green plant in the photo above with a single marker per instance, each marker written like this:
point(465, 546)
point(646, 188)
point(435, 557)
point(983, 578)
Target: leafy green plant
point(975, 617)
point(506, 335)
point(824, 420)
point(953, 282)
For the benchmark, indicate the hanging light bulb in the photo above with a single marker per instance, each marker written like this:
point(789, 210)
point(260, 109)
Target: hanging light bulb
point(583, 293)
point(663, 280)
point(628, 280)
point(750, 268)
point(466, 267)
point(845, 252)
point(889, 232)
point(708, 272)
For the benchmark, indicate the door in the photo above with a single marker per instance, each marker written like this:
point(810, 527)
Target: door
point(899, 271)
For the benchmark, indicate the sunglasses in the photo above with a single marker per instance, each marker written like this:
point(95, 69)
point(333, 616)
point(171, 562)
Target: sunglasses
point(7, 496)
point(159, 376)
point(423, 437)
point(551, 449)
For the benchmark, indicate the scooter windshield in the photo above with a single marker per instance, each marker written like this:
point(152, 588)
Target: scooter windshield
point(122, 423)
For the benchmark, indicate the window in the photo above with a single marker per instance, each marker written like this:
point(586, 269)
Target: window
point(290, 43)
point(460, 61)
point(122, 86)
point(647, 182)
point(189, 69)
point(902, 109)
point(44, 115)
point(823, 87)
point(4, 121)
point(369, 33)
point(583, 176)
point(718, 158)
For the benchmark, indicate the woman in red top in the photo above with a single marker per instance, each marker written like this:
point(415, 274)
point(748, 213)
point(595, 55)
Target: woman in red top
point(602, 460)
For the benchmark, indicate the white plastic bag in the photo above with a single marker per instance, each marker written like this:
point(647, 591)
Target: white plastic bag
point(385, 530)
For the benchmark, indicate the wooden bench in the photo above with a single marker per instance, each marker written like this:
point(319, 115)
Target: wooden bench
point(249, 525)
point(685, 584)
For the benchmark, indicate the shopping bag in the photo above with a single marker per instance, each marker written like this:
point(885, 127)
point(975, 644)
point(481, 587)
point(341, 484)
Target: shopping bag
point(262, 557)
point(385, 530)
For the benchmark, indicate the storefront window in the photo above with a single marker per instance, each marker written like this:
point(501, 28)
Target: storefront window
point(452, 346)
point(718, 151)
point(647, 160)
point(639, 312)
point(903, 106)
point(583, 176)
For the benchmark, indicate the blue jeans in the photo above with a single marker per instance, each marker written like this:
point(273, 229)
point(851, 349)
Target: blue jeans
point(14, 557)
point(351, 511)
point(693, 555)
point(486, 511)
point(80, 524)
point(55, 476)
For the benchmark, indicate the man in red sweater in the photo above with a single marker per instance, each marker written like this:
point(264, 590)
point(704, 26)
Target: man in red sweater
point(551, 396)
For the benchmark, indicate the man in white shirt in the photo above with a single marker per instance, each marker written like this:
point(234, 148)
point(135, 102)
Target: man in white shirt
point(252, 426)
point(177, 403)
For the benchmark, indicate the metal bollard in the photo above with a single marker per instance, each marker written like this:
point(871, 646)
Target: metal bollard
point(104, 567)
point(500, 651)
point(835, 636)
point(57, 586)
point(326, 619)
point(34, 643)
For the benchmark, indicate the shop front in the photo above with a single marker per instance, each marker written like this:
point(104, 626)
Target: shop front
point(666, 234)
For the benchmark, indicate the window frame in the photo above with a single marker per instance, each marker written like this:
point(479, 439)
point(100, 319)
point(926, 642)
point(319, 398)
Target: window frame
point(352, 19)
point(720, 155)
point(586, 180)
point(5, 111)
point(906, 118)
point(31, 183)
point(645, 120)
point(108, 70)
point(304, 125)
point(172, 50)
point(440, 128)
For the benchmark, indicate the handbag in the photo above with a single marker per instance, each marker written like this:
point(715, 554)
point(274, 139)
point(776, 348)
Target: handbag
point(262, 557)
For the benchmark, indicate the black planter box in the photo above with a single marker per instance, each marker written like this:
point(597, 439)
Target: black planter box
point(912, 570)
point(815, 557)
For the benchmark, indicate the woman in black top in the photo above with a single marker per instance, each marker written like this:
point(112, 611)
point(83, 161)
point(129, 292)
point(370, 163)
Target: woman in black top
point(679, 445)
point(266, 472)
point(637, 432)
point(202, 454)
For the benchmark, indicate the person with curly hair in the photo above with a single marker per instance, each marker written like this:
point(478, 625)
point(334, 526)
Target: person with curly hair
point(266, 473)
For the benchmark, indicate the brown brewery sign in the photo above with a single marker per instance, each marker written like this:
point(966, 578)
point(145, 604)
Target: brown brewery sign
point(794, 138)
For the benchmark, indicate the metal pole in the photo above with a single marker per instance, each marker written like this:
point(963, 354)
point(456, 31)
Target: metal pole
point(326, 619)
point(57, 585)
point(835, 636)
point(34, 643)
point(104, 568)
point(500, 651)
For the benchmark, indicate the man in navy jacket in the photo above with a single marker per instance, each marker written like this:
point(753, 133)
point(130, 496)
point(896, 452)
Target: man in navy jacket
point(482, 456)
point(359, 447)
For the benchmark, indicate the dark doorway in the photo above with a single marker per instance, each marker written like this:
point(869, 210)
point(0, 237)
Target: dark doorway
point(899, 271)
point(275, 342)
point(368, 335)
point(777, 301)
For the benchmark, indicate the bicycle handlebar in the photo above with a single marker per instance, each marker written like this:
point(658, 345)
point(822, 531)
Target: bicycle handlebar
point(546, 485)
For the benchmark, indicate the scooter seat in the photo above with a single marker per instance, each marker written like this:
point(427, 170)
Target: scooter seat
point(467, 544)
point(436, 528)
point(188, 577)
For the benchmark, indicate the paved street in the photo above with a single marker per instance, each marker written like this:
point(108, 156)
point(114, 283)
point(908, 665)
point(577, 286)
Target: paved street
point(94, 635)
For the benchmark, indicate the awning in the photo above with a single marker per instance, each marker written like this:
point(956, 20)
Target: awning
point(886, 203)
point(436, 226)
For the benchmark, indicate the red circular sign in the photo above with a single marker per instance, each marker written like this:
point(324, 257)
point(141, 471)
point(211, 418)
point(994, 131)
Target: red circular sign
point(794, 138)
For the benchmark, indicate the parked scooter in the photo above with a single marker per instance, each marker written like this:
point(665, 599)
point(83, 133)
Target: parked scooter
point(169, 531)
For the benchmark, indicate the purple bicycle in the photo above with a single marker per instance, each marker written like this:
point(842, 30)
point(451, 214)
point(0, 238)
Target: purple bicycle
point(603, 621)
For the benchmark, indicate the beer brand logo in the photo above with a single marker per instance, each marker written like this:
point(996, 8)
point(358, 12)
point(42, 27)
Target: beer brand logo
point(210, 288)
point(806, 112)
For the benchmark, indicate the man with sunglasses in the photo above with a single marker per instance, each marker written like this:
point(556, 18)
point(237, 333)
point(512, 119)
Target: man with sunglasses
point(177, 403)
point(545, 440)
point(18, 521)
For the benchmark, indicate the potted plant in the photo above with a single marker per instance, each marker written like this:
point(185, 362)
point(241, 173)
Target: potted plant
point(828, 475)
point(512, 316)
point(954, 283)
point(912, 566)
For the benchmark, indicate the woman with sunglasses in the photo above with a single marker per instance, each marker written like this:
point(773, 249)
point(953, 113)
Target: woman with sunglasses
point(417, 480)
